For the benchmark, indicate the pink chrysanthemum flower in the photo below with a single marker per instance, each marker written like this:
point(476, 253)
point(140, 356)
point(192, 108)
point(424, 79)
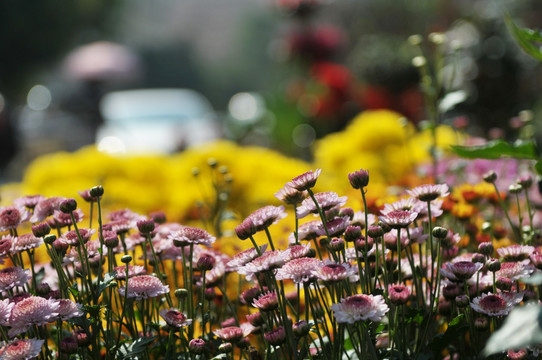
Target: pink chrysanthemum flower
point(68, 309)
point(13, 276)
point(25, 242)
point(21, 349)
point(267, 301)
point(244, 257)
point(297, 251)
point(398, 293)
point(5, 311)
point(390, 239)
point(299, 270)
point(266, 216)
point(230, 334)
point(29, 201)
point(12, 216)
point(410, 204)
point(460, 271)
point(335, 227)
point(46, 208)
point(192, 235)
point(133, 270)
point(5, 245)
point(92, 249)
point(359, 219)
point(71, 238)
point(290, 195)
point(331, 272)
point(515, 252)
point(515, 270)
point(496, 304)
point(143, 287)
point(306, 231)
point(268, 261)
point(429, 192)
point(61, 219)
point(326, 200)
point(175, 318)
point(33, 310)
point(360, 307)
point(124, 220)
point(275, 337)
point(85, 194)
point(213, 276)
point(305, 181)
point(399, 219)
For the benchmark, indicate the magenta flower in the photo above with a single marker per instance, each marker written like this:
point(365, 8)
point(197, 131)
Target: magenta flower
point(275, 337)
point(305, 181)
point(266, 302)
point(297, 251)
point(496, 304)
point(61, 219)
point(335, 227)
point(71, 238)
point(21, 349)
point(360, 307)
point(398, 293)
point(299, 270)
point(266, 216)
point(175, 318)
point(144, 287)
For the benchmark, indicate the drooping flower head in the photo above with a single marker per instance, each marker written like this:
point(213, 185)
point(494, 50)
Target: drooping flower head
point(143, 287)
point(496, 304)
point(21, 349)
point(360, 307)
point(12, 216)
point(305, 181)
point(398, 219)
point(429, 192)
point(30, 311)
point(175, 318)
point(299, 270)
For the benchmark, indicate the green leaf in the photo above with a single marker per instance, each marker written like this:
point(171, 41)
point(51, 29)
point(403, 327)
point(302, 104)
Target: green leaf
point(520, 329)
point(106, 282)
point(525, 38)
point(138, 346)
point(497, 149)
point(538, 167)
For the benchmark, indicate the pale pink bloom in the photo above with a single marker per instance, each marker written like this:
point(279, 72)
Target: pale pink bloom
point(267, 301)
point(297, 251)
point(12, 216)
point(326, 200)
point(460, 271)
point(21, 349)
point(61, 219)
point(71, 238)
point(143, 287)
point(410, 204)
point(334, 227)
point(25, 242)
point(230, 334)
point(390, 239)
point(305, 181)
point(496, 304)
point(131, 241)
point(359, 219)
point(68, 309)
point(244, 257)
point(429, 192)
point(13, 276)
point(192, 235)
point(5, 245)
point(5, 311)
point(299, 270)
point(33, 310)
point(29, 201)
point(354, 255)
point(268, 261)
point(133, 270)
point(360, 307)
point(46, 208)
point(515, 252)
point(275, 337)
point(306, 231)
point(124, 220)
point(266, 216)
point(92, 248)
point(175, 318)
point(290, 195)
point(332, 272)
point(247, 328)
point(417, 235)
point(423, 211)
point(399, 219)
point(515, 270)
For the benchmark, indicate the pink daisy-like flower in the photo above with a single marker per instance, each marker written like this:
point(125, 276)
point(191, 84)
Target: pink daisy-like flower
point(266, 216)
point(71, 238)
point(61, 219)
point(5, 245)
point(175, 318)
point(5, 311)
point(297, 251)
point(460, 271)
point(12, 216)
point(68, 309)
point(192, 235)
point(398, 293)
point(275, 337)
point(299, 270)
point(25, 242)
point(360, 307)
point(29, 201)
point(290, 195)
point(390, 239)
point(410, 204)
point(334, 227)
point(143, 287)
point(133, 270)
point(124, 220)
point(230, 334)
point(429, 192)
point(85, 194)
point(331, 272)
point(399, 219)
point(21, 349)
point(244, 257)
point(13, 276)
point(305, 181)
point(33, 310)
point(515, 252)
point(515, 270)
point(496, 304)
point(46, 208)
point(268, 261)
point(306, 231)
point(359, 219)
point(326, 200)
point(267, 301)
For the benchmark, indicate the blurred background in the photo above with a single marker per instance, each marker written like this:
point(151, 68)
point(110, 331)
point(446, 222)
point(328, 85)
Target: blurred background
point(157, 77)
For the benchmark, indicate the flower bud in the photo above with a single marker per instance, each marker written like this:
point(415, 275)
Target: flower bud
point(159, 217)
point(145, 226)
point(67, 206)
point(41, 230)
point(126, 259)
point(49, 239)
point(96, 191)
point(275, 337)
point(225, 348)
point(181, 293)
point(493, 265)
point(196, 346)
point(359, 179)
point(486, 248)
point(210, 294)
point(336, 244)
point(352, 233)
point(375, 231)
point(503, 284)
point(301, 328)
point(481, 324)
point(490, 177)
point(478, 258)
point(68, 345)
point(515, 189)
point(440, 232)
point(462, 301)
point(206, 263)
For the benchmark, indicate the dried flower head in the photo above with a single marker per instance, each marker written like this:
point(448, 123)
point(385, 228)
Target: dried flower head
point(360, 307)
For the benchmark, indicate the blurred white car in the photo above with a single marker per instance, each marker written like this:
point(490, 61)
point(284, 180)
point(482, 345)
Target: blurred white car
point(155, 121)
